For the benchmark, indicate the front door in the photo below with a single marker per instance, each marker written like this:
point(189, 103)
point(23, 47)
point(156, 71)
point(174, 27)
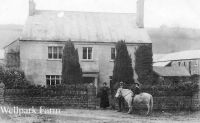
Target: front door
point(88, 79)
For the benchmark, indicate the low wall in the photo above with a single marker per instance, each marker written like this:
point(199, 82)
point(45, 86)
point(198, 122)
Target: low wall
point(172, 102)
point(165, 103)
point(87, 99)
point(48, 101)
point(196, 101)
point(73, 98)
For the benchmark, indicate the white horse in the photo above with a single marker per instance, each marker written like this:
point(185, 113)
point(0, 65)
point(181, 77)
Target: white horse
point(145, 98)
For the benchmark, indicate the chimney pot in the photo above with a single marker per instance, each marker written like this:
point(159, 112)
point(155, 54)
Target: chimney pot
point(140, 14)
point(31, 7)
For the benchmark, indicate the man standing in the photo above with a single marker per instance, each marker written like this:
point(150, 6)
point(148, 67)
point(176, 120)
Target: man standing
point(121, 99)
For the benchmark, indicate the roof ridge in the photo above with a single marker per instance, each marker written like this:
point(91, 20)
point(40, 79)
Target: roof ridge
point(183, 51)
point(170, 56)
point(38, 11)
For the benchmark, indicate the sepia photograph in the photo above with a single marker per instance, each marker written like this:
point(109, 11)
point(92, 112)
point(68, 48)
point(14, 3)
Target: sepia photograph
point(99, 61)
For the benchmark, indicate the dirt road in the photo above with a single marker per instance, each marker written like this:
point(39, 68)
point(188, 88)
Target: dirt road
point(101, 116)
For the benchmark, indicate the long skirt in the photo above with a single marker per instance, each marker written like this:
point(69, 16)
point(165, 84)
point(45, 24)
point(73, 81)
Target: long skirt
point(104, 102)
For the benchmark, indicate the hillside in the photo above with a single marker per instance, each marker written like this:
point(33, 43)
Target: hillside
point(166, 40)
point(9, 33)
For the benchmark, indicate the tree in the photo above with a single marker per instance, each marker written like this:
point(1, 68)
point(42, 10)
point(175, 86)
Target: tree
point(143, 64)
point(123, 70)
point(71, 70)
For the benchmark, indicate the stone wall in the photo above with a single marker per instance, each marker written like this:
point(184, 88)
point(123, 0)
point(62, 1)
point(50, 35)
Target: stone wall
point(164, 103)
point(85, 99)
point(88, 99)
point(2, 86)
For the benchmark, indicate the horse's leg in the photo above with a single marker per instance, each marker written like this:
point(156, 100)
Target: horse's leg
point(130, 105)
point(148, 106)
point(151, 104)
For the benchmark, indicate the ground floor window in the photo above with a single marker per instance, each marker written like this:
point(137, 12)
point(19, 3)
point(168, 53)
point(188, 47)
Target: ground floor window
point(53, 80)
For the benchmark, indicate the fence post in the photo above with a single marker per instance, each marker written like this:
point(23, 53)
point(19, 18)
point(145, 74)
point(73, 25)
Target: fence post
point(91, 96)
point(2, 86)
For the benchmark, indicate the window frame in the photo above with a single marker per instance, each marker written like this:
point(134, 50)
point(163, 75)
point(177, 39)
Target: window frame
point(52, 78)
point(87, 53)
point(56, 52)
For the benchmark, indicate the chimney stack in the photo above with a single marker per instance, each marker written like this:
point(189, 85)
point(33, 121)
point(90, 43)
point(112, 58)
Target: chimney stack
point(31, 7)
point(140, 14)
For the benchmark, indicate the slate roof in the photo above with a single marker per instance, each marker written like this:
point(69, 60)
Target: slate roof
point(47, 25)
point(171, 71)
point(183, 55)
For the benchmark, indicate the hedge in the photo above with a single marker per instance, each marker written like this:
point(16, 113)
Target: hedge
point(60, 90)
point(181, 89)
point(13, 78)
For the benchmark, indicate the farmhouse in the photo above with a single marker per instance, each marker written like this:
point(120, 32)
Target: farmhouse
point(38, 51)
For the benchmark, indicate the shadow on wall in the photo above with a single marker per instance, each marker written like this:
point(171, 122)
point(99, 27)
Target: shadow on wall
point(31, 78)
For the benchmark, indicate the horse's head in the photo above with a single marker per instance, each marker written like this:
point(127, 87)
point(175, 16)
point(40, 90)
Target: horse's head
point(119, 92)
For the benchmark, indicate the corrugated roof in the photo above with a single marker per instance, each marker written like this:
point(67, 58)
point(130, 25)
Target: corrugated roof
point(188, 54)
point(171, 71)
point(84, 26)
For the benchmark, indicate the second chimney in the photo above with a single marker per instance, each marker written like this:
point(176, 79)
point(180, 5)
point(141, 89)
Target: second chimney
point(140, 14)
point(31, 7)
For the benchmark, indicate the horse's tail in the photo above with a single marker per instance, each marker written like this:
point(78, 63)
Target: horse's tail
point(151, 103)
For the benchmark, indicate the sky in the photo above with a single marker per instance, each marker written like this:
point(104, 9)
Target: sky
point(171, 13)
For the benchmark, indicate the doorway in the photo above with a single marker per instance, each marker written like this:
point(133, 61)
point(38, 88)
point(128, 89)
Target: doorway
point(88, 80)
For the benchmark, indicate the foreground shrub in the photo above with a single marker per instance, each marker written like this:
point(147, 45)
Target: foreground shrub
point(181, 89)
point(13, 78)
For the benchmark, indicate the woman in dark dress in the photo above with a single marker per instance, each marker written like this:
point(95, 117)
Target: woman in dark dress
point(104, 92)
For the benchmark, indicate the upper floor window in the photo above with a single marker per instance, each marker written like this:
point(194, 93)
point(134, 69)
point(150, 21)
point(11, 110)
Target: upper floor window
point(55, 52)
point(87, 53)
point(53, 80)
point(113, 54)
